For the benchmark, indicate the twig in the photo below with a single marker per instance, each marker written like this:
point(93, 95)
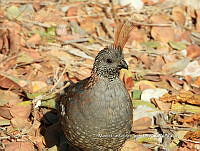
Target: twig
point(82, 16)
point(187, 140)
point(58, 81)
point(147, 24)
point(76, 40)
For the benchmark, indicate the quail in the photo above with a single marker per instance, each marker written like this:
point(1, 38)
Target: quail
point(96, 113)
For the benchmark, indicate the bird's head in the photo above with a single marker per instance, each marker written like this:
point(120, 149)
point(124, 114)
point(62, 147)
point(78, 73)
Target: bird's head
point(109, 62)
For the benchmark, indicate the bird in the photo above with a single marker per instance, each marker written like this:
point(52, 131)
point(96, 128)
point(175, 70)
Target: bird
point(96, 113)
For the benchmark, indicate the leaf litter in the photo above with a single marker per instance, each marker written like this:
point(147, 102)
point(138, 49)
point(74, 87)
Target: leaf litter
point(44, 44)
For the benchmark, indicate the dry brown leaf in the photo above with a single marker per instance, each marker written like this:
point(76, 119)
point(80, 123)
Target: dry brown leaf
point(193, 120)
point(183, 96)
point(137, 35)
point(142, 124)
point(127, 78)
point(182, 36)
point(21, 110)
point(163, 34)
point(8, 98)
point(38, 85)
point(20, 123)
point(198, 20)
point(8, 83)
point(146, 60)
point(160, 19)
point(35, 39)
point(89, 25)
point(20, 146)
point(72, 11)
point(5, 112)
point(131, 145)
point(193, 135)
point(65, 38)
point(158, 63)
point(197, 81)
point(164, 106)
point(193, 51)
point(178, 15)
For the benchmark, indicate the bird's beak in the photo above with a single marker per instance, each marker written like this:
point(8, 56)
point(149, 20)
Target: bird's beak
point(123, 65)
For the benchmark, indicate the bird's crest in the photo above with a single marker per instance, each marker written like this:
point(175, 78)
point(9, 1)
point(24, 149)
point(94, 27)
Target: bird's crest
point(122, 34)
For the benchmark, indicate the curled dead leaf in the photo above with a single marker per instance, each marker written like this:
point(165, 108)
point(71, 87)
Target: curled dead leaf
point(20, 123)
point(193, 51)
point(20, 146)
point(5, 112)
point(131, 145)
point(21, 110)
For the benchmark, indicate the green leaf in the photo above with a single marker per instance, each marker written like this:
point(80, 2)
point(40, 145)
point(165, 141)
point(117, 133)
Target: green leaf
point(147, 140)
point(51, 31)
point(4, 122)
point(12, 12)
point(177, 45)
point(24, 58)
point(139, 102)
point(50, 103)
point(33, 95)
point(136, 94)
point(151, 44)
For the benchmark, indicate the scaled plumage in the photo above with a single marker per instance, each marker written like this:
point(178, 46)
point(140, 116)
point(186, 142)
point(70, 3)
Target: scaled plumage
point(96, 113)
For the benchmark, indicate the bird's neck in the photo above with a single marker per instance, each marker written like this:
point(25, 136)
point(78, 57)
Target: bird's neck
point(110, 76)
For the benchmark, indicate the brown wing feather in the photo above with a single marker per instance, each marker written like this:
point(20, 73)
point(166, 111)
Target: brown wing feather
point(122, 34)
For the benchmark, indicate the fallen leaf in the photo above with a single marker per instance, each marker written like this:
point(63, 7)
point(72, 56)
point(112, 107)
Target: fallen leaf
point(146, 60)
point(38, 85)
point(163, 34)
point(142, 124)
point(131, 145)
point(192, 69)
point(193, 51)
point(24, 58)
point(148, 94)
point(193, 135)
point(8, 83)
point(34, 39)
point(72, 11)
point(198, 20)
point(136, 94)
point(178, 15)
point(177, 45)
point(151, 44)
point(4, 122)
point(20, 123)
point(21, 110)
point(160, 19)
point(89, 25)
point(5, 112)
point(177, 107)
point(16, 80)
point(164, 106)
point(193, 120)
point(137, 35)
point(8, 98)
point(20, 146)
point(144, 84)
point(175, 66)
point(13, 12)
point(127, 78)
point(197, 81)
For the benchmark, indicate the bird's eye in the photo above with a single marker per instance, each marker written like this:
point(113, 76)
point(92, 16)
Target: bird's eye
point(109, 61)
